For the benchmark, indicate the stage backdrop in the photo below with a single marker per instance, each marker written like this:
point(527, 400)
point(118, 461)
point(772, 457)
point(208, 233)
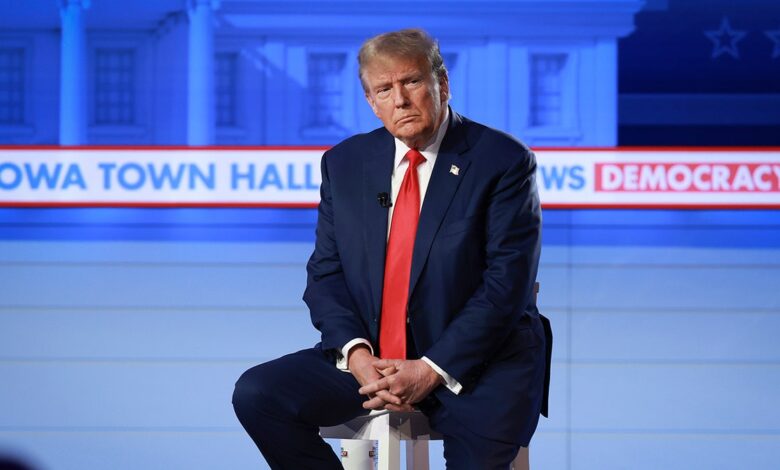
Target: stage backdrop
point(137, 284)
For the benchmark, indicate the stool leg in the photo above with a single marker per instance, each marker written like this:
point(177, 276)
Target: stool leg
point(417, 455)
point(389, 449)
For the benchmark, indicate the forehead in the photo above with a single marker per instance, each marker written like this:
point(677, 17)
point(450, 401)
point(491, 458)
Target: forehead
point(385, 67)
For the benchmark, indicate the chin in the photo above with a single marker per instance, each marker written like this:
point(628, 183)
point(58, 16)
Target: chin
point(410, 131)
point(407, 138)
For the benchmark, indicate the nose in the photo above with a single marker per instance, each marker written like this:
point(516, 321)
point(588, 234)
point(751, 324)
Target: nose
point(400, 96)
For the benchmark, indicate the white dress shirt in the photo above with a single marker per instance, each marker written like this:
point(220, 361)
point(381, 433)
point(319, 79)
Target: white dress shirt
point(424, 171)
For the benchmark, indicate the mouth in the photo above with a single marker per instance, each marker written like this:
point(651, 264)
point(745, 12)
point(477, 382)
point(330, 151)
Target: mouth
point(406, 119)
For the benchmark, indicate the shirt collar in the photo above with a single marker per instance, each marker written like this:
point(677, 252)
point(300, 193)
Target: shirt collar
point(429, 152)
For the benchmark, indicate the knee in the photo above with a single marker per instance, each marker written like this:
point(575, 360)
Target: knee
point(251, 390)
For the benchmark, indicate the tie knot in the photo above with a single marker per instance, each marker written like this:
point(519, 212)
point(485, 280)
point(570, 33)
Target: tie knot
point(414, 157)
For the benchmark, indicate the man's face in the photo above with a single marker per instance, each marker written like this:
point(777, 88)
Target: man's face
point(406, 97)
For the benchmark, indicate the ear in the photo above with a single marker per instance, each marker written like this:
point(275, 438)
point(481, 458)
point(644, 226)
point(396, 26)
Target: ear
point(372, 103)
point(444, 88)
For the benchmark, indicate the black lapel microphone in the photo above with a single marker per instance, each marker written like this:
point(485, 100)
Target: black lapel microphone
point(384, 200)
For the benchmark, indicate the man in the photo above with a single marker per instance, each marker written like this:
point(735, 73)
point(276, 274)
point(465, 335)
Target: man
point(435, 313)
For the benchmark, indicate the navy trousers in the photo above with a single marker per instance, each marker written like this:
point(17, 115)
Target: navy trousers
point(282, 404)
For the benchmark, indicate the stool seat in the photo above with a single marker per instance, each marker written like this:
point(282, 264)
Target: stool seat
point(375, 425)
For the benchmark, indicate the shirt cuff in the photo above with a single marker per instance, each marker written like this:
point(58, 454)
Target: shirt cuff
point(341, 361)
point(449, 381)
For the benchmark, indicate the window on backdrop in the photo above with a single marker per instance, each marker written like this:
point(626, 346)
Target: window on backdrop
point(12, 86)
point(226, 84)
point(547, 89)
point(115, 99)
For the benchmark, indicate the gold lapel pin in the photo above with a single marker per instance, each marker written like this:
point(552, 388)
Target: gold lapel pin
point(454, 170)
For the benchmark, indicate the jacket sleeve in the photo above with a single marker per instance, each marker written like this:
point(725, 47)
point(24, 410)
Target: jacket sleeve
point(332, 309)
point(512, 249)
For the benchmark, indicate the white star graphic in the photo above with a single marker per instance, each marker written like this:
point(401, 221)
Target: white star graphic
point(725, 40)
point(774, 36)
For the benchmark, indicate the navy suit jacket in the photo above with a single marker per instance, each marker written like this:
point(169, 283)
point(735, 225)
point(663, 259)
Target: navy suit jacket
point(471, 304)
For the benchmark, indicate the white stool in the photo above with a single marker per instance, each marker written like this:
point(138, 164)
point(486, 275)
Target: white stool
point(389, 429)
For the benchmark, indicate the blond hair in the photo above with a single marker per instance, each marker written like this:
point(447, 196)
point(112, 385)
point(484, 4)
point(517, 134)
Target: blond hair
point(411, 43)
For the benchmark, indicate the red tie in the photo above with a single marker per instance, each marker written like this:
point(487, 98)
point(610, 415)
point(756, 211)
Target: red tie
point(398, 262)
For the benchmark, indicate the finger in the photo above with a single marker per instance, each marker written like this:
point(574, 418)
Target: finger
point(375, 403)
point(389, 371)
point(374, 387)
point(391, 407)
point(389, 397)
point(407, 408)
point(385, 363)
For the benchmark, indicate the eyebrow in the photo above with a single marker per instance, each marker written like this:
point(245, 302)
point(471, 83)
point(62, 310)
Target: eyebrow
point(402, 79)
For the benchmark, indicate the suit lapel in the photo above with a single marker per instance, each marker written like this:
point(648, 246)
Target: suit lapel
point(441, 188)
point(377, 171)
